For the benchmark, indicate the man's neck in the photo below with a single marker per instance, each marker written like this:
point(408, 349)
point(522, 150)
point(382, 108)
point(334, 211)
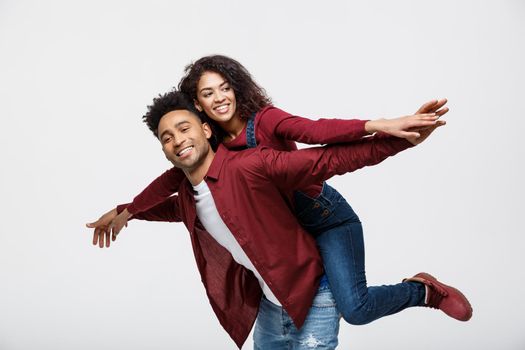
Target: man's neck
point(197, 174)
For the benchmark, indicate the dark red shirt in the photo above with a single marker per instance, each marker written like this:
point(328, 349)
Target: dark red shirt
point(274, 128)
point(252, 191)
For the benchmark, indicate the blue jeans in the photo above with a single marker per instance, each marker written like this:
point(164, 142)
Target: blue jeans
point(339, 236)
point(274, 329)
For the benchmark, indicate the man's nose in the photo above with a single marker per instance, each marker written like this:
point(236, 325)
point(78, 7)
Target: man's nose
point(178, 140)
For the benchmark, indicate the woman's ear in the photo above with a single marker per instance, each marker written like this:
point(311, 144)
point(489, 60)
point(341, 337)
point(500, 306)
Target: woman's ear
point(197, 105)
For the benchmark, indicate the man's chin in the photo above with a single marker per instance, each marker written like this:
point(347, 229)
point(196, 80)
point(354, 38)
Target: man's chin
point(184, 165)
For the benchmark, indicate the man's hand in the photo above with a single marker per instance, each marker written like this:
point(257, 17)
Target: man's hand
point(433, 106)
point(118, 223)
point(424, 133)
point(101, 227)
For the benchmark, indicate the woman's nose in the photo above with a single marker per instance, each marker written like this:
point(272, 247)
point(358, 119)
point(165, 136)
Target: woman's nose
point(219, 97)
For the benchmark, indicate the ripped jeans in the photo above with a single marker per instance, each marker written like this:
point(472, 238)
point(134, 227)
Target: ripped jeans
point(274, 329)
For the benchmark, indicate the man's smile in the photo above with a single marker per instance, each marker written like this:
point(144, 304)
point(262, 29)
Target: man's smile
point(184, 151)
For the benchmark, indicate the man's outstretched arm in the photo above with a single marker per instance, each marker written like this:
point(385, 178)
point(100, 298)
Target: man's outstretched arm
point(159, 190)
point(294, 170)
point(166, 211)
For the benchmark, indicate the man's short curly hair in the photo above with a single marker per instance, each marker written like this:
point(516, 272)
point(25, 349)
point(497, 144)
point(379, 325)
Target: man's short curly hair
point(165, 103)
point(168, 102)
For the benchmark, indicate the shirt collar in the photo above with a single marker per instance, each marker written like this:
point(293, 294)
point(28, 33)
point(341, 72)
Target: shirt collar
point(216, 166)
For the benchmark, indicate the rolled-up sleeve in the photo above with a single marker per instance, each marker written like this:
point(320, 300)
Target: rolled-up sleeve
point(167, 211)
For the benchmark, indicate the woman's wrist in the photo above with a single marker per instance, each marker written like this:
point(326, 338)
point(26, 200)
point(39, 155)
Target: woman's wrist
point(373, 126)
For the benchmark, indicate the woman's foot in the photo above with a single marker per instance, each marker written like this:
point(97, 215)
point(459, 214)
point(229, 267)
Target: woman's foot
point(446, 298)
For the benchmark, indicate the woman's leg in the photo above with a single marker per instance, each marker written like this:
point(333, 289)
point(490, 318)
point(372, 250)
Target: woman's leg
point(339, 236)
point(342, 250)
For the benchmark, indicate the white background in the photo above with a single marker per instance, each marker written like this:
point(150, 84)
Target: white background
point(75, 79)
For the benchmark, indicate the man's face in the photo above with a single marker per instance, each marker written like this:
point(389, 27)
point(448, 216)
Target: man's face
point(184, 139)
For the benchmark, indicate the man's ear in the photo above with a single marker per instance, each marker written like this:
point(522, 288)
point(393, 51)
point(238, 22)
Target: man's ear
point(207, 130)
point(197, 105)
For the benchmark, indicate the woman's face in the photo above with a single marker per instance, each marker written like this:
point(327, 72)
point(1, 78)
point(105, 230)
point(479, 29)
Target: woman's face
point(216, 98)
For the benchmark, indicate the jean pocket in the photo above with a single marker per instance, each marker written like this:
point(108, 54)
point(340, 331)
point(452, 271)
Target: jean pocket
point(318, 215)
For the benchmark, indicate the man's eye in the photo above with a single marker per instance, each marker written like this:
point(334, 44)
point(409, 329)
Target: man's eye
point(185, 129)
point(166, 140)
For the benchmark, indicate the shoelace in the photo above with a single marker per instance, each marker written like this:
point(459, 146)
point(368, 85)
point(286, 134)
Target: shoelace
point(436, 294)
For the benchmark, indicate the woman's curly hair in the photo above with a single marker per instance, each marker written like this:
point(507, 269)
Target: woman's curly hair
point(250, 97)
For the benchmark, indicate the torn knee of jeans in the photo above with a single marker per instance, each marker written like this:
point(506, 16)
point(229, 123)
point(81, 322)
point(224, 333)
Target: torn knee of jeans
point(311, 342)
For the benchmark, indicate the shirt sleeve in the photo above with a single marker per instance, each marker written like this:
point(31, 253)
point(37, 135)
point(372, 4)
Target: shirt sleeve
point(168, 211)
point(161, 188)
point(323, 131)
point(288, 169)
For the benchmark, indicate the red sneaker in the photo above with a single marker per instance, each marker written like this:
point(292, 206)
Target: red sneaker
point(446, 298)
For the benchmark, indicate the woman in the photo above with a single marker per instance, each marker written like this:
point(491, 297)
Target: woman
point(243, 117)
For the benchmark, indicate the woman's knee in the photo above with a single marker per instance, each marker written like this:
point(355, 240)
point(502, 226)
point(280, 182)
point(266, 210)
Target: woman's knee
point(356, 316)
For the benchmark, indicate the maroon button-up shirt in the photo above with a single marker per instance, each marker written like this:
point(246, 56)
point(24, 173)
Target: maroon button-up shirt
point(274, 128)
point(252, 190)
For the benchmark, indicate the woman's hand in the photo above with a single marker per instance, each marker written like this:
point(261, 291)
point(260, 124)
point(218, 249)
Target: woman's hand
point(410, 127)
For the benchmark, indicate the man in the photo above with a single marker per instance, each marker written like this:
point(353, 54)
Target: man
point(247, 242)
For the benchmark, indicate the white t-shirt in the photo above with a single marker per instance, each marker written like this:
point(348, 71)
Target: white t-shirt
point(213, 223)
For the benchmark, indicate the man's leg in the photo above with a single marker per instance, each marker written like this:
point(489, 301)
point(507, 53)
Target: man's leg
point(269, 328)
point(275, 330)
point(321, 328)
